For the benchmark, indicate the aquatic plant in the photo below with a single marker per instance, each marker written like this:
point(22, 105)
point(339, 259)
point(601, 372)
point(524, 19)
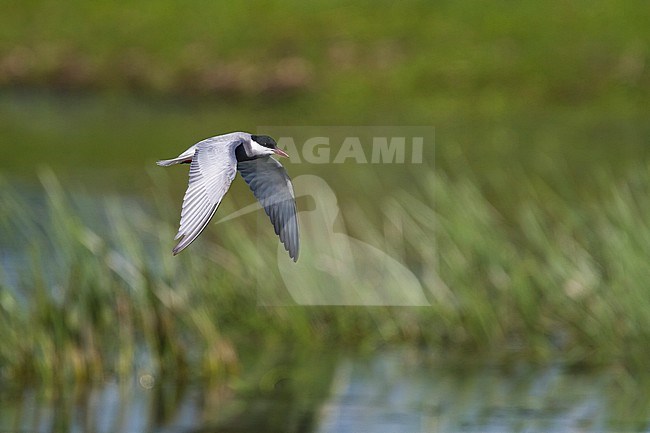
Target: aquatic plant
point(85, 294)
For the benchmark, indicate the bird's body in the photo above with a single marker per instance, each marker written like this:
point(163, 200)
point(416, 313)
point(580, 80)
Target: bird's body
point(214, 163)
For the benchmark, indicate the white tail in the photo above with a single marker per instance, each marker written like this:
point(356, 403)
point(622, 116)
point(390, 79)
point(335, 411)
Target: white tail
point(168, 162)
point(183, 157)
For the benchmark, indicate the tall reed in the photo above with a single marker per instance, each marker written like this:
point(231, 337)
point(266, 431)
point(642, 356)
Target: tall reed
point(89, 288)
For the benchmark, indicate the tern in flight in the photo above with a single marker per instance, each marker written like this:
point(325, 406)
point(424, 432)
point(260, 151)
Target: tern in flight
point(213, 165)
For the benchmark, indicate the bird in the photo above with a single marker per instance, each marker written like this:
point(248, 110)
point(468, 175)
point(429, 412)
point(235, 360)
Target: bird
point(214, 163)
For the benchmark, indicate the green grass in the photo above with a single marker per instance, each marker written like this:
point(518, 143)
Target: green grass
point(103, 295)
point(437, 59)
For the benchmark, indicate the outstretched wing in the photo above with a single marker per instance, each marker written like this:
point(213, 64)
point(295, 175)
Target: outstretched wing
point(212, 170)
point(271, 185)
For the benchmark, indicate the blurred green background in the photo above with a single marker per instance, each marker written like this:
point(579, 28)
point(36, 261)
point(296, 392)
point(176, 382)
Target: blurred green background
point(527, 225)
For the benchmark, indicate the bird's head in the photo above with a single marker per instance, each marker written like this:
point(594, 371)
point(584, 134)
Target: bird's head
point(267, 146)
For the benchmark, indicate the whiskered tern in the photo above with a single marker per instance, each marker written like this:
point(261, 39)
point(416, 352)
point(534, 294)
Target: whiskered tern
point(214, 163)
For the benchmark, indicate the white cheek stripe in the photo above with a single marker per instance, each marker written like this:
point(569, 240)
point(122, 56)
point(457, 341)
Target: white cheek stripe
point(259, 149)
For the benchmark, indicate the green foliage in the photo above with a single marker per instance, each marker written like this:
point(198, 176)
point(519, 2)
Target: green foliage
point(560, 281)
point(468, 55)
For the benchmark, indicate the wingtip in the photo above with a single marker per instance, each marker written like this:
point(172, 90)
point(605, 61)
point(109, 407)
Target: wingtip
point(181, 245)
point(293, 250)
point(294, 255)
point(178, 248)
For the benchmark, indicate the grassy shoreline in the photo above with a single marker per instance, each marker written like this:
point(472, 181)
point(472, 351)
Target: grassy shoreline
point(567, 282)
point(539, 54)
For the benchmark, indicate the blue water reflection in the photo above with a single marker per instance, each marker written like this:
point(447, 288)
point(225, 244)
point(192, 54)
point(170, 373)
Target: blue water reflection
point(394, 392)
point(398, 393)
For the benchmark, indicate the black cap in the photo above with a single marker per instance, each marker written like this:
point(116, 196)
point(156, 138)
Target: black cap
point(265, 140)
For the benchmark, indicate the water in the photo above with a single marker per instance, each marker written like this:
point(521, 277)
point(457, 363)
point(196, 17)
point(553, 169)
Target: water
point(397, 393)
point(390, 392)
